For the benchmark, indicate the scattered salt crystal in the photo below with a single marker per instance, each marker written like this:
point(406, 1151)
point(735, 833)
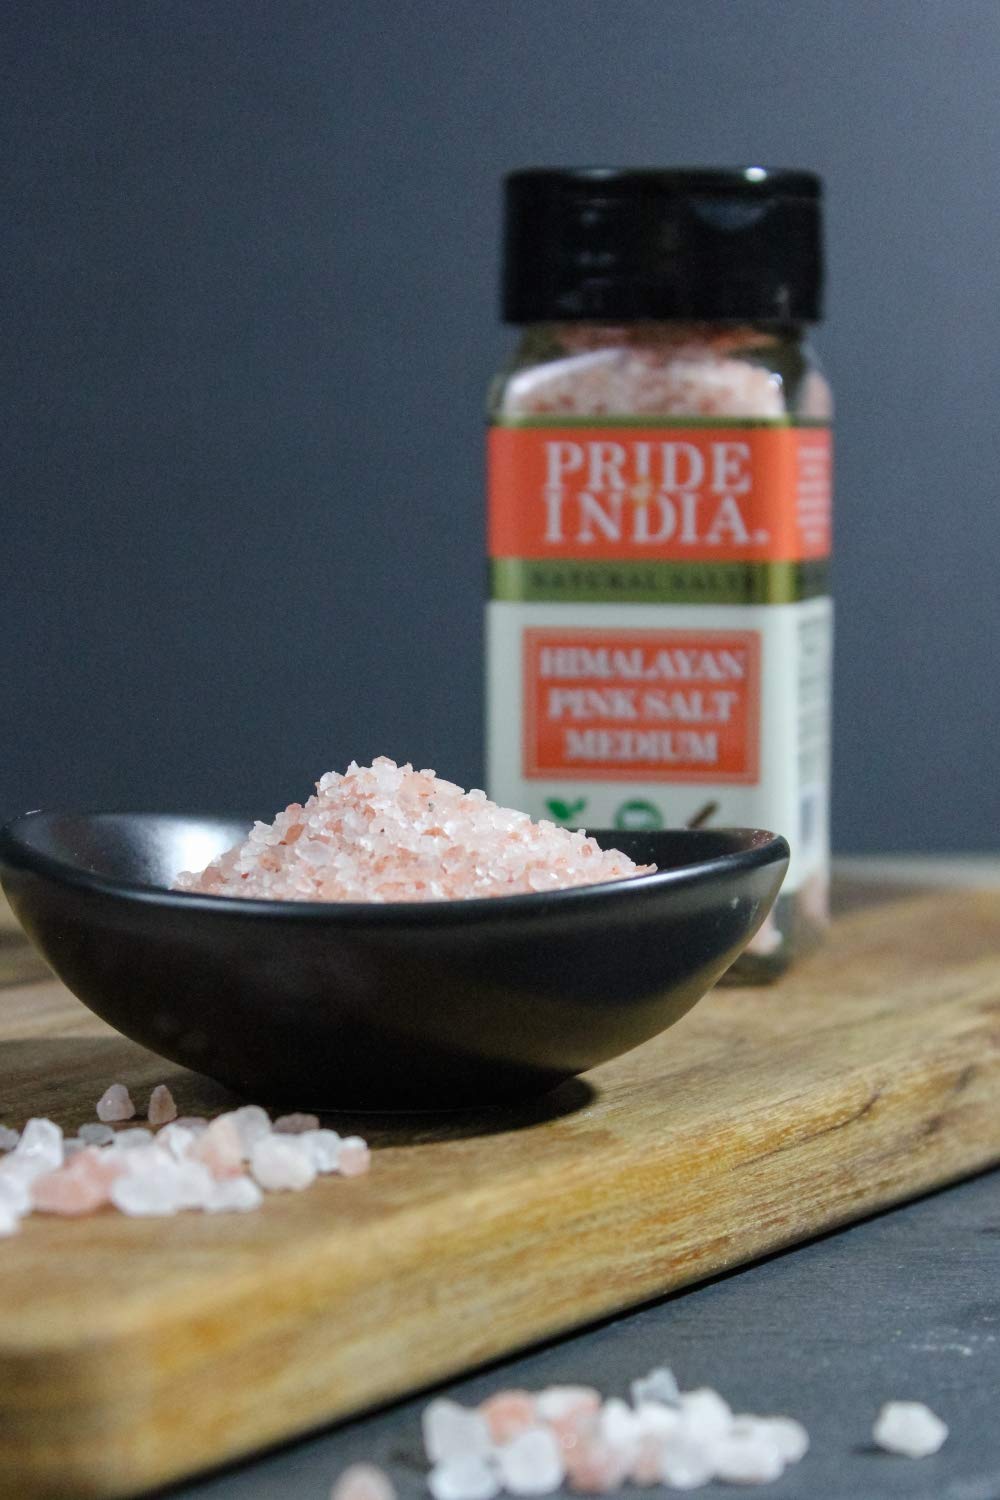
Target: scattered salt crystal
point(193, 1184)
point(39, 1150)
point(15, 1192)
point(10, 1222)
point(593, 1465)
point(233, 1195)
point(659, 1385)
point(686, 1463)
point(161, 1108)
point(219, 1147)
point(466, 1478)
point(507, 1413)
point(354, 1157)
point(131, 1140)
point(619, 1427)
point(559, 1401)
point(452, 1431)
point(791, 1437)
point(531, 1463)
point(70, 1191)
point(177, 1139)
point(748, 1456)
point(704, 1415)
point(8, 1138)
point(144, 1195)
point(296, 1124)
point(910, 1428)
point(323, 1147)
point(115, 1104)
point(389, 833)
point(96, 1135)
point(363, 1482)
point(253, 1125)
point(74, 1146)
point(280, 1162)
point(195, 1123)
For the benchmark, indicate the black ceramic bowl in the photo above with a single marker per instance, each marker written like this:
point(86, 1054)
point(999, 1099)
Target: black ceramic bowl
point(406, 1006)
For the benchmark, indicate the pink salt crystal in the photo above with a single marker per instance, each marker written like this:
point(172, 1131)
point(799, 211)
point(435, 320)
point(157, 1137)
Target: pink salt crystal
point(507, 1413)
point(296, 1124)
point(220, 1148)
point(355, 1157)
point(162, 1108)
point(363, 1482)
point(571, 1412)
point(594, 1466)
point(389, 833)
point(80, 1188)
point(115, 1104)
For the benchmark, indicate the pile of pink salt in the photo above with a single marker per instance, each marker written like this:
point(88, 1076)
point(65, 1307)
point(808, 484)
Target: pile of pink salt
point(224, 1165)
point(390, 833)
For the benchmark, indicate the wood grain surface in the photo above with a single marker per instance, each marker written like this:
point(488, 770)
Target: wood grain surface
point(133, 1352)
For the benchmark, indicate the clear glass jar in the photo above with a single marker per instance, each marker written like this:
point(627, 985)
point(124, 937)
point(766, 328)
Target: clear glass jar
point(659, 519)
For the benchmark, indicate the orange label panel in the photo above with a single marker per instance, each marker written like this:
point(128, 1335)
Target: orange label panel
point(641, 705)
point(698, 494)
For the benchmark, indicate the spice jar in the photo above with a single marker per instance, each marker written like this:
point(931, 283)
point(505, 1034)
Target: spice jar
point(659, 623)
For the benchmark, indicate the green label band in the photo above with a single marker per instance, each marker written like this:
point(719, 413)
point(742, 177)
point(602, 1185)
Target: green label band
point(572, 582)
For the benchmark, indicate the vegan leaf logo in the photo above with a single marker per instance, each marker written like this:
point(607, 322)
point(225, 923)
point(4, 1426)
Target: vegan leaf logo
point(565, 812)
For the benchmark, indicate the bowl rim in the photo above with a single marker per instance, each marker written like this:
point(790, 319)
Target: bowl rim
point(761, 848)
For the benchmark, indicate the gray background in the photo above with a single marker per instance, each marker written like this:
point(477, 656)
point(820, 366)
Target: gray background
point(249, 264)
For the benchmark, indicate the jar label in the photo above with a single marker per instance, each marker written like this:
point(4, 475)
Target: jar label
point(660, 495)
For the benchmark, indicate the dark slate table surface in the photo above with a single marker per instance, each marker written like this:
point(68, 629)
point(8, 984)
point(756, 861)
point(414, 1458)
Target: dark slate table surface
point(902, 1306)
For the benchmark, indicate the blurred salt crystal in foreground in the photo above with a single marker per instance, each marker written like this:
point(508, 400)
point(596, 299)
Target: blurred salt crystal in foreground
point(186, 1164)
point(568, 1436)
point(389, 833)
point(909, 1428)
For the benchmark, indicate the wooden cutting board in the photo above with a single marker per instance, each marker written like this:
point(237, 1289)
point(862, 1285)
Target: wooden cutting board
point(133, 1352)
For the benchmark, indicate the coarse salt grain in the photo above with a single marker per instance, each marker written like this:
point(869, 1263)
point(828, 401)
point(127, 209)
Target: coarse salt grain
point(233, 1195)
point(363, 1482)
point(659, 1385)
point(324, 1149)
point(96, 1135)
point(531, 1463)
point(686, 1462)
point(10, 1222)
point(115, 1104)
point(161, 1108)
point(749, 1456)
point(15, 1193)
point(507, 1413)
point(389, 833)
point(295, 1124)
point(451, 1431)
point(131, 1140)
point(465, 1478)
point(354, 1157)
point(909, 1428)
point(8, 1138)
point(280, 1163)
point(253, 1124)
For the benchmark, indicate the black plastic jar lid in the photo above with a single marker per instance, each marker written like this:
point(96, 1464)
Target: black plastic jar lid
point(624, 244)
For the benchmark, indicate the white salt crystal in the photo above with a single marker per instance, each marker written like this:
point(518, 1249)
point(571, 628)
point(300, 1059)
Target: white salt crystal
point(790, 1436)
point(161, 1108)
point(453, 1431)
point(145, 1195)
point(193, 1184)
point(10, 1222)
point(15, 1191)
point(39, 1150)
point(910, 1428)
point(96, 1135)
point(177, 1139)
point(467, 1478)
point(253, 1125)
point(131, 1140)
point(233, 1195)
point(531, 1463)
point(115, 1104)
point(748, 1456)
point(73, 1147)
point(296, 1124)
point(559, 1401)
point(8, 1138)
point(659, 1385)
point(279, 1162)
point(686, 1463)
point(619, 1426)
point(704, 1415)
point(323, 1147)
point(195, 1123)
point(654, 1419)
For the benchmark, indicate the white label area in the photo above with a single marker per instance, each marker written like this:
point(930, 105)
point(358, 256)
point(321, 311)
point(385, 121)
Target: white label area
point(788, 788)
